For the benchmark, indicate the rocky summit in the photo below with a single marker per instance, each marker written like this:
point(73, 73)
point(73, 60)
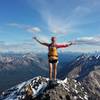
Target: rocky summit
point(40, 88)
point(54, 92)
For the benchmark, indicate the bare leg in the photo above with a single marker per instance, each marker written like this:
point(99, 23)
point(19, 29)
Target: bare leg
point(55, 70)
point(50, 71)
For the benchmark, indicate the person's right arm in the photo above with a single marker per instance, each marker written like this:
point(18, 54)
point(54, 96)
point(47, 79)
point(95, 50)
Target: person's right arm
point(46, 44)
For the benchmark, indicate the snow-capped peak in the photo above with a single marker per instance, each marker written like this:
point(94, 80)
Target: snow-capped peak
point(37, 86)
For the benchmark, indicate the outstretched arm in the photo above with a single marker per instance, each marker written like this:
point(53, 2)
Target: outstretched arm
point(63, 45)
point(46, 44)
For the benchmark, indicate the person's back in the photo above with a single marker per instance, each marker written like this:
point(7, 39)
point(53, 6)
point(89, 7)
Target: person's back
point(53, 54)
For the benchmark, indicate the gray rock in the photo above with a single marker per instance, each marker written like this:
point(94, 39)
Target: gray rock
point(56, 93)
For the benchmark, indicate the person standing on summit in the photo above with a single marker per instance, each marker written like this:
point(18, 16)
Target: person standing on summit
point(53, 54)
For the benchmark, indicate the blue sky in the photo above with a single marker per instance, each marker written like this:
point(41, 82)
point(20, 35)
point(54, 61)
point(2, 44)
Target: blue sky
point(68, 20)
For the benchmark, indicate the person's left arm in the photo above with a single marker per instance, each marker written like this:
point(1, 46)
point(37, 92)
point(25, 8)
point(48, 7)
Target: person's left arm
point(63, 45)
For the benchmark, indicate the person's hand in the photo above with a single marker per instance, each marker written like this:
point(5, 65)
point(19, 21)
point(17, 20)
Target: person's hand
point(73, 42)
point(35, 38)
point(70, 43)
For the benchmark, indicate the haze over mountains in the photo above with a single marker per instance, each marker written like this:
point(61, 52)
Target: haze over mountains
point(16, 68)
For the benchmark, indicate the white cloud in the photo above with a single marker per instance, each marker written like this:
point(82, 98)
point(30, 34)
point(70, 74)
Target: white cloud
point(57, 25)
point(24, 46)
point(83, 44)
point(33, 29)
point(89, 40)
point(54, 23)
point(56, 17)
point(62, 18)
point(27, 28)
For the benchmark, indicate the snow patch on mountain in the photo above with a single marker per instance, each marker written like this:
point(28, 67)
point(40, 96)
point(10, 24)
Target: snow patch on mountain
point(38, 85)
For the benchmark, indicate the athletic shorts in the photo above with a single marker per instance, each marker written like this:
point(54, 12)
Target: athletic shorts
point(53, 61)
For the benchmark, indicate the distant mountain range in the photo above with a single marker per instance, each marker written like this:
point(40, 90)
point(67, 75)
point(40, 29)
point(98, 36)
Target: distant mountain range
point(16, 68)
point(86, 69)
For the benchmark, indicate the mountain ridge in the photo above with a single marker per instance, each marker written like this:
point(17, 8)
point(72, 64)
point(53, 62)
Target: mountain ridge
point(73, 89)
point(86, 69)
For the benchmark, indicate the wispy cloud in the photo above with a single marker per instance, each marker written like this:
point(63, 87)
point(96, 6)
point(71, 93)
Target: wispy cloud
point(61, 18)
point(81, 11)
point(15, 47)
point(27, 28)
point(33, 29)
point(22, 47)
point(25, 45)
point(83, 44)
point(89, 40)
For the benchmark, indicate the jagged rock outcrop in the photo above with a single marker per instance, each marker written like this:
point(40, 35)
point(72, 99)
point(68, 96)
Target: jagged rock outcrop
point(54, 93)
point(86, 69)
point(39, 88)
